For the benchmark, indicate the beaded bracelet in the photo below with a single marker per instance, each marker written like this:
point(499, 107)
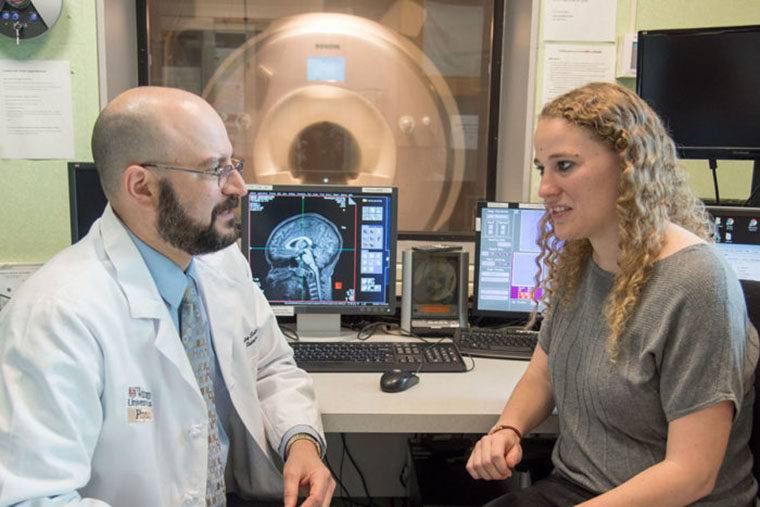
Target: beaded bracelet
point(500, 427)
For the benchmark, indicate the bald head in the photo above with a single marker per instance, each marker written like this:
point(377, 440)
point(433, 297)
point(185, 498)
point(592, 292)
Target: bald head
point(141, 125)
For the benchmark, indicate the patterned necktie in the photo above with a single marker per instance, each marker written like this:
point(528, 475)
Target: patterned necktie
point(195, 338)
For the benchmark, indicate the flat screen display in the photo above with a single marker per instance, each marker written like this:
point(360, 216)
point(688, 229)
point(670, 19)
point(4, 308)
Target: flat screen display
point(737, 236)
point(326, 68)
point(322, 248)
point(705, 84)
point(86, 198)
point(506, 247)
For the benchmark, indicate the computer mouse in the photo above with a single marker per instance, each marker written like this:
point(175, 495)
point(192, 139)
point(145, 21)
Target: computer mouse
point(395, 381)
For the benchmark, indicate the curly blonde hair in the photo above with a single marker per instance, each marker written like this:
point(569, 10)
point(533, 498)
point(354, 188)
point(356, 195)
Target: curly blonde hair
point(652, 192)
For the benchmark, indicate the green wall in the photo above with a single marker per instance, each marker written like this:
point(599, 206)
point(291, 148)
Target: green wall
point(34, 211)
point(34, 205)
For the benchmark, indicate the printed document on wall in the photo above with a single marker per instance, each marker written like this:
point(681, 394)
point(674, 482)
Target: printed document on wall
point(579, 20)
point(568, 66)
point(35, 109)
point(11, 276)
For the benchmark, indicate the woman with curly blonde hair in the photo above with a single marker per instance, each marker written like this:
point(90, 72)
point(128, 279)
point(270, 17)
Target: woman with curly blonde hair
point(645, 349)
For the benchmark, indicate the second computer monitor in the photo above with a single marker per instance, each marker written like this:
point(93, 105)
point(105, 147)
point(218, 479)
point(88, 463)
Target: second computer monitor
point(86, 198)
point(322, 249)
point(505, 259)
point(737, 236)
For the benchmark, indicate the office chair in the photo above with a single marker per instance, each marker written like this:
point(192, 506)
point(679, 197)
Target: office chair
point(752, 299)
point(537, 456)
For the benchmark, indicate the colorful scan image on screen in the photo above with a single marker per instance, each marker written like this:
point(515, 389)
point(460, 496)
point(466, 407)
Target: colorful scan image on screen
point(506, 248)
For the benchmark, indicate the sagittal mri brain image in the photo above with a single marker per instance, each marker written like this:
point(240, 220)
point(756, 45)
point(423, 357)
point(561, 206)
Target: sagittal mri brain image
point(302, 252)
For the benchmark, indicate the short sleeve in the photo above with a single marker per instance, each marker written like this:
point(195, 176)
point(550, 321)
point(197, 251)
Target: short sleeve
point(708, 353)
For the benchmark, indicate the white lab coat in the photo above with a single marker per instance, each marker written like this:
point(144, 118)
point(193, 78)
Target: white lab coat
point(88, 341)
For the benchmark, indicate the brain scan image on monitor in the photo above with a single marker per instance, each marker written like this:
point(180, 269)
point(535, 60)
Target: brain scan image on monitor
point(302, 252)
point(322, 247)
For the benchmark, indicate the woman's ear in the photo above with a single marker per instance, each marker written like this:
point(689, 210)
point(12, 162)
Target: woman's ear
point(141, 186)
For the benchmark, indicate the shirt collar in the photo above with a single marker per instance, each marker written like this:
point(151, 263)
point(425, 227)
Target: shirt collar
point(170, 280)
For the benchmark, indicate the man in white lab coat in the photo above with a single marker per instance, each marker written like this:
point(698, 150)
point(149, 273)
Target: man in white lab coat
point(99, 403)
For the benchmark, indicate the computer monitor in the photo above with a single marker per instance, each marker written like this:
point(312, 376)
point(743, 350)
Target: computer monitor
point(86, 198)
point(319, 251)
point(506, 247)
point(737, 236)
point(704, 83)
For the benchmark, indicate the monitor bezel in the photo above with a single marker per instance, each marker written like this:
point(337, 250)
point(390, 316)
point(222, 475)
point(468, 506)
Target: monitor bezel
point(694, 150)
point(287, 310)
point(475, 312)
point(738, 210)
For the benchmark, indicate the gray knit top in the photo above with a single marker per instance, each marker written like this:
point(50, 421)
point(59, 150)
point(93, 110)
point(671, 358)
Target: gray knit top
point(688, 346)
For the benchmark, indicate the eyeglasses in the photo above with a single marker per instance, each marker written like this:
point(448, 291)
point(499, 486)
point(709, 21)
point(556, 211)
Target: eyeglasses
point(222, 172)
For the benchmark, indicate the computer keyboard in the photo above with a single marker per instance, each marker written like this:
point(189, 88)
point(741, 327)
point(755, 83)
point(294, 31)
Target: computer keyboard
point(321, 356)
point(500, 343)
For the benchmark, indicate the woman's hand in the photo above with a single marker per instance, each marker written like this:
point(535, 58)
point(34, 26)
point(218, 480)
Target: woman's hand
point(494, 456)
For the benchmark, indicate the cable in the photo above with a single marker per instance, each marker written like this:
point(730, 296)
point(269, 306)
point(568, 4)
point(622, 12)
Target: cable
point(366, 331)
point(714, 168)
point(337, 478)
point(472, 358)
point(358, 470)
point(290, 334)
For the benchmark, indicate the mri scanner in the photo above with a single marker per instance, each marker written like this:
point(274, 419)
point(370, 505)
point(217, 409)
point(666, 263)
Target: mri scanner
point(340, 99)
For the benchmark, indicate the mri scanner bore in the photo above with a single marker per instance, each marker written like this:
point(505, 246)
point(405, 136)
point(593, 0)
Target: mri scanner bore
point(340, 99)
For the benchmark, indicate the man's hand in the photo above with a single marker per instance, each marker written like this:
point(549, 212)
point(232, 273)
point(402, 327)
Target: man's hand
point(304, 470)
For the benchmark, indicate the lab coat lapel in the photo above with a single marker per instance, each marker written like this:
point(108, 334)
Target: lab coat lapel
point(141, 293)
point(227, 330)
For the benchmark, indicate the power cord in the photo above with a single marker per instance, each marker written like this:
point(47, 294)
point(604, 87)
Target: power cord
point(356, 467)
point(338, 479)
point(365, 332)
point(290, 334)
point(472, 359)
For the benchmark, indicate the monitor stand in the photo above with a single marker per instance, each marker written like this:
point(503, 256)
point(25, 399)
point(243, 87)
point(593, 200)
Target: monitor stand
point(754, 195)
point(321, 325)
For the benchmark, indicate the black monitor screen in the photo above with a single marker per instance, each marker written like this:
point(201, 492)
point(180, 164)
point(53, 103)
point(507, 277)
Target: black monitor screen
point(505, 259)
point(738, 237)
point(705, 84)
point(323, 249)
point(86, 198)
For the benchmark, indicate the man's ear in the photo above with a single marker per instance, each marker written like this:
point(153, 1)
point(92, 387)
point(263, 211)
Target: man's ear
point(141, 186)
